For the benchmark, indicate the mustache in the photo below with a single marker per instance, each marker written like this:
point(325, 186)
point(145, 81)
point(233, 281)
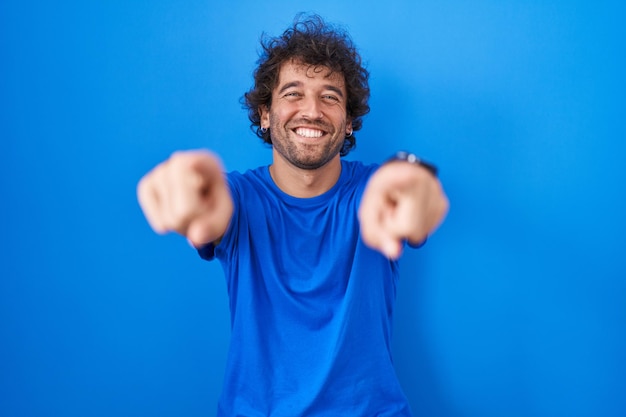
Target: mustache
point(310, 123)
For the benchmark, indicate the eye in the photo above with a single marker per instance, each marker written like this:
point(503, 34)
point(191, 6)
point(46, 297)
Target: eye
point(292, 94)
point(331, 99)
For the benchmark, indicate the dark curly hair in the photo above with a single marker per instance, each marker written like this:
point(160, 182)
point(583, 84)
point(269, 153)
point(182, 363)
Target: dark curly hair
point(313, 42)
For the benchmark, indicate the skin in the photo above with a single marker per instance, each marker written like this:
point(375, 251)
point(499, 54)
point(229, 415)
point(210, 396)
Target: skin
point(308, 121)
point(187, 194)
point(402, 201)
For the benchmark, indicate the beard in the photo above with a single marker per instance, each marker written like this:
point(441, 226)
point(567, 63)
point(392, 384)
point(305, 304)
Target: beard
point(307, 156)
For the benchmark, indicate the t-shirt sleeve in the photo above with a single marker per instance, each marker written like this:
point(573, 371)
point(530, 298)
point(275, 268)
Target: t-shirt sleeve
point(207, 252)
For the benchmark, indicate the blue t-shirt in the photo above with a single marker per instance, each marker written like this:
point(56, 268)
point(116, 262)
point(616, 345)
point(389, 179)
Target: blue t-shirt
point(311, 306)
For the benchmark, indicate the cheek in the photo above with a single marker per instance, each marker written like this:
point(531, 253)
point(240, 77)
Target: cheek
point(281, 114)
point(337, 113)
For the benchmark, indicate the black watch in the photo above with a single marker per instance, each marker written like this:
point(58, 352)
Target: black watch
point(414, 159)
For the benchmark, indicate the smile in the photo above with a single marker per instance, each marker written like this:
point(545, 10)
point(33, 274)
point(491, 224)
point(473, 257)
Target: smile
point(308, 133)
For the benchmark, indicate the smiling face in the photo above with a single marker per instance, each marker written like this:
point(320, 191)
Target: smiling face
point(307, 119)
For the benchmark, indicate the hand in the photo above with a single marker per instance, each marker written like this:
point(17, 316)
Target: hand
point(402, 201)
point(187, 194)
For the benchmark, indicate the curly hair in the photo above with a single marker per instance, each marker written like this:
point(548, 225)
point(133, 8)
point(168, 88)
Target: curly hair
point(313, 42)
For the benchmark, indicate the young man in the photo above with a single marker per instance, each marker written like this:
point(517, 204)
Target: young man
point(309, 244)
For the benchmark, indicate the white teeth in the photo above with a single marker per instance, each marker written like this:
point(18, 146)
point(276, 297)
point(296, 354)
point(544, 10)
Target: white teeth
point(309, 133)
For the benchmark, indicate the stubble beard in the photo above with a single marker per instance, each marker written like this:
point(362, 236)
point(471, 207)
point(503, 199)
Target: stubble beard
point(302, 155)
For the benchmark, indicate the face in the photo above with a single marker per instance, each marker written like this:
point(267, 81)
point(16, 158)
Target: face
point(307, 119)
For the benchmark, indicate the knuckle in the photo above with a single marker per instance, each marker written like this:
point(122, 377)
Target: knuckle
point(142, 186)
point(180, 161)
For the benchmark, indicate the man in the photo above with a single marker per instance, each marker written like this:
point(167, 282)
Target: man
point(309, 244)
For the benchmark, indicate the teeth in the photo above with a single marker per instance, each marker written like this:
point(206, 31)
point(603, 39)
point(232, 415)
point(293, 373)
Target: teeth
point(309, 133)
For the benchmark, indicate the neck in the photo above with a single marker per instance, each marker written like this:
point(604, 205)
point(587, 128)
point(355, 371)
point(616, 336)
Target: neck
point(304, 183)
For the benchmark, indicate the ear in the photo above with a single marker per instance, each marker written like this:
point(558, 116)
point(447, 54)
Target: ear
point(265, 116)
point(349, 128)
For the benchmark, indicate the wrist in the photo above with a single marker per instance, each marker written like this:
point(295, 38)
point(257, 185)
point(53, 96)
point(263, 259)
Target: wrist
point(415, 160)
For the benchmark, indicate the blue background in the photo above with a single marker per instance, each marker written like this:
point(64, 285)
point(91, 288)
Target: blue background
point(516, 307)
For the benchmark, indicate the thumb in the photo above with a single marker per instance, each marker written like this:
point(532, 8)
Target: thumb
point(390, 247)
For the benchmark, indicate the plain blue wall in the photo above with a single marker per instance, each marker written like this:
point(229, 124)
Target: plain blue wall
point(516, 307)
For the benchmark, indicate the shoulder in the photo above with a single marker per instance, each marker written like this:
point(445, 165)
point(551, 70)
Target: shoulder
point(357, 173)
point(358, 167)
point(250, 175)
point(252, 179)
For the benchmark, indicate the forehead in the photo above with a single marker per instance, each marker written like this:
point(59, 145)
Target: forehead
point(293, 70)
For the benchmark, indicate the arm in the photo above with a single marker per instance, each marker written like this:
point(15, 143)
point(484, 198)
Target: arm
point(187, 194)
point(402, 201)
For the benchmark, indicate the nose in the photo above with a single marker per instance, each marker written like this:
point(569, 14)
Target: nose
point(311, 108)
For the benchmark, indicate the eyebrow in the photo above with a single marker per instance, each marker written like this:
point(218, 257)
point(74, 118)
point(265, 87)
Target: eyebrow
point(299, 84)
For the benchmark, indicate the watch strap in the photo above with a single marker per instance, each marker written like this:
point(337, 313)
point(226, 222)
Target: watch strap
point(414, 159)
